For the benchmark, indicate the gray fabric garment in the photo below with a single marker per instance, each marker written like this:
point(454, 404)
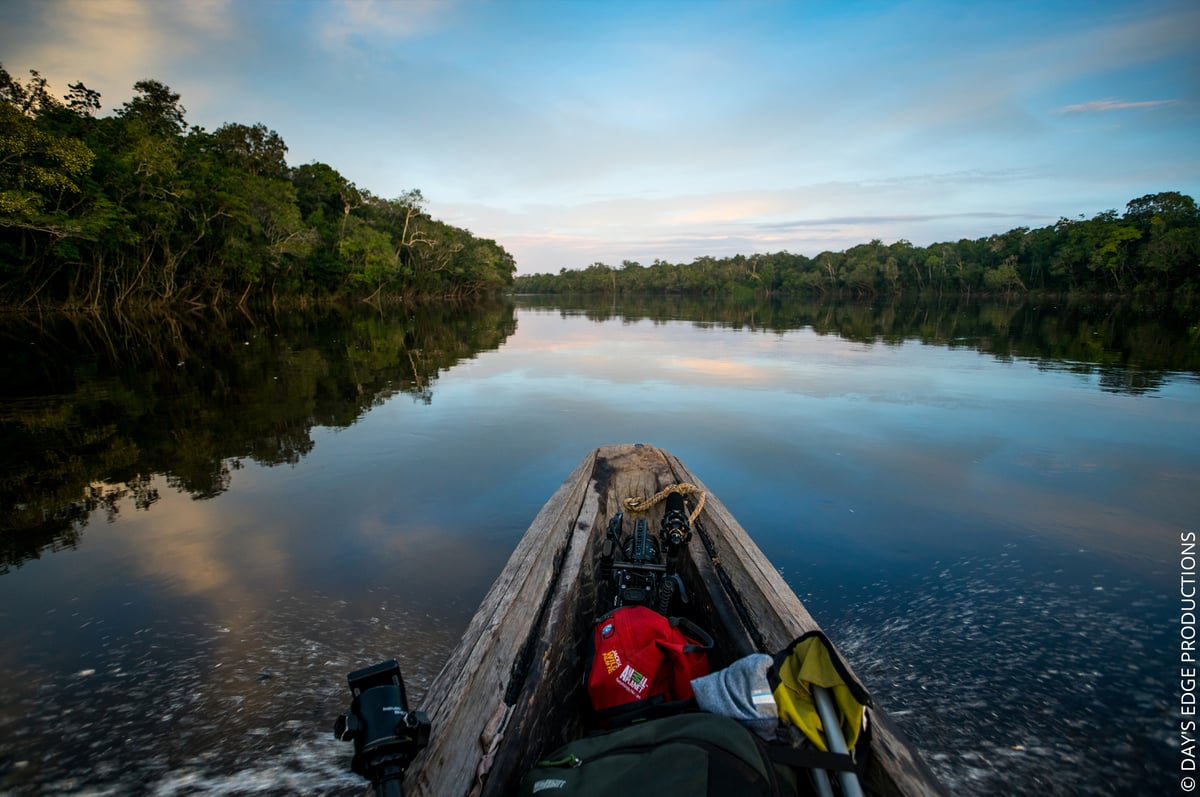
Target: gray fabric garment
point(743, 692)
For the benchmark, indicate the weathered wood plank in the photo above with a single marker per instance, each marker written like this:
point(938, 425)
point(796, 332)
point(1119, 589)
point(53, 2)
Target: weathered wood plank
point(554, 681)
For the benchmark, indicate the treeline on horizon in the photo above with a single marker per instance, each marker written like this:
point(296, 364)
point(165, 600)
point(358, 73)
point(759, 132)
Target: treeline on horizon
point(1153, 248)
point(138, 208)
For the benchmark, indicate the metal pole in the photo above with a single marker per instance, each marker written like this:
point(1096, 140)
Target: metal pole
point(837, 742)
point(821, 782)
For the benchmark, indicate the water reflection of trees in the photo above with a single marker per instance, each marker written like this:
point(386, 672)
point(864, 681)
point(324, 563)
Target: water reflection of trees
point(1126, 347)
point(91, 409)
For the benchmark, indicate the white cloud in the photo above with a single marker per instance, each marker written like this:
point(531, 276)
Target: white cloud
point(342, 21)
point(1104, 106)
point(111, 44)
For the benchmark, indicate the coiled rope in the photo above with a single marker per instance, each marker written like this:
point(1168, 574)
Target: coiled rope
point(683, 488)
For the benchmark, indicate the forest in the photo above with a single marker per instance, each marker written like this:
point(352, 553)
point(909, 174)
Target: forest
point(1151, 249)
point(139, 209)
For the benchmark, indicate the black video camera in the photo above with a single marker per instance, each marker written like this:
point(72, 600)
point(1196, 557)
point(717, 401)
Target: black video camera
point(386, 735)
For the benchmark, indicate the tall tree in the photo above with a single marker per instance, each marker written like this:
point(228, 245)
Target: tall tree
point(156, 107)
point(252, 148)
point(1171, 207)
point(82, 100)
point(31, 99)
point(39, 172)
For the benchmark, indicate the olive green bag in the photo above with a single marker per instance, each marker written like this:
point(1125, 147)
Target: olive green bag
point(693, 754)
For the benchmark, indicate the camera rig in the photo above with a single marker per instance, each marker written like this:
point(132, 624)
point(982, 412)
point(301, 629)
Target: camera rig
point(633, 568)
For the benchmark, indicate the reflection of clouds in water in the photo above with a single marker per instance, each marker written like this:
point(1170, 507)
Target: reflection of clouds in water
point(724, 371)
point(1102, 523)
point(549, 350)
point(193, 547)
point(232, 666)
point(232, 566)
point(986, 486)
point(238, 555)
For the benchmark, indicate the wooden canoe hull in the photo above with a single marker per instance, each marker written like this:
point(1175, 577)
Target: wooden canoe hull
point(520, 661)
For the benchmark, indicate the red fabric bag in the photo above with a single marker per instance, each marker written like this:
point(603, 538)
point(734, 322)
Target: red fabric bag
point(644, 658)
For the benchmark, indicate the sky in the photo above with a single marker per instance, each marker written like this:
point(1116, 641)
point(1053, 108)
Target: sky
point(574, 132)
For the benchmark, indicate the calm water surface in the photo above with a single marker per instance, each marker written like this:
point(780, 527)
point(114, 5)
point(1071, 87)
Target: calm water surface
point(206, 522)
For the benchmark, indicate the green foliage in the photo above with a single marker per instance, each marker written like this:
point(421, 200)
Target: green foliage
point(1153, 249)
point(156, 108)
point(36, 167)
point(137, 209)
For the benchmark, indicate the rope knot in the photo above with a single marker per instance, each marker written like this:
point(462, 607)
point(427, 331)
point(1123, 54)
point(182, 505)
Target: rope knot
point(683, 488)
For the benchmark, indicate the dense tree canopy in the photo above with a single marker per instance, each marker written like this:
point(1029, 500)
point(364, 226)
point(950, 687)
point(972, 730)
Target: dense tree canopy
point(139, 208)
point(1153, 248)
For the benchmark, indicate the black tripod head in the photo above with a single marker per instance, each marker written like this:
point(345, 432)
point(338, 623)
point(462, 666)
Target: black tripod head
point(386, 735)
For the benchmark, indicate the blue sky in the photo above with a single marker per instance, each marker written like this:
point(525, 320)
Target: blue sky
point(574, 132)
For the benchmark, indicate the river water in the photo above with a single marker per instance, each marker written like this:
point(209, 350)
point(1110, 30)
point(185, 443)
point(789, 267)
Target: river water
point(207, 521)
